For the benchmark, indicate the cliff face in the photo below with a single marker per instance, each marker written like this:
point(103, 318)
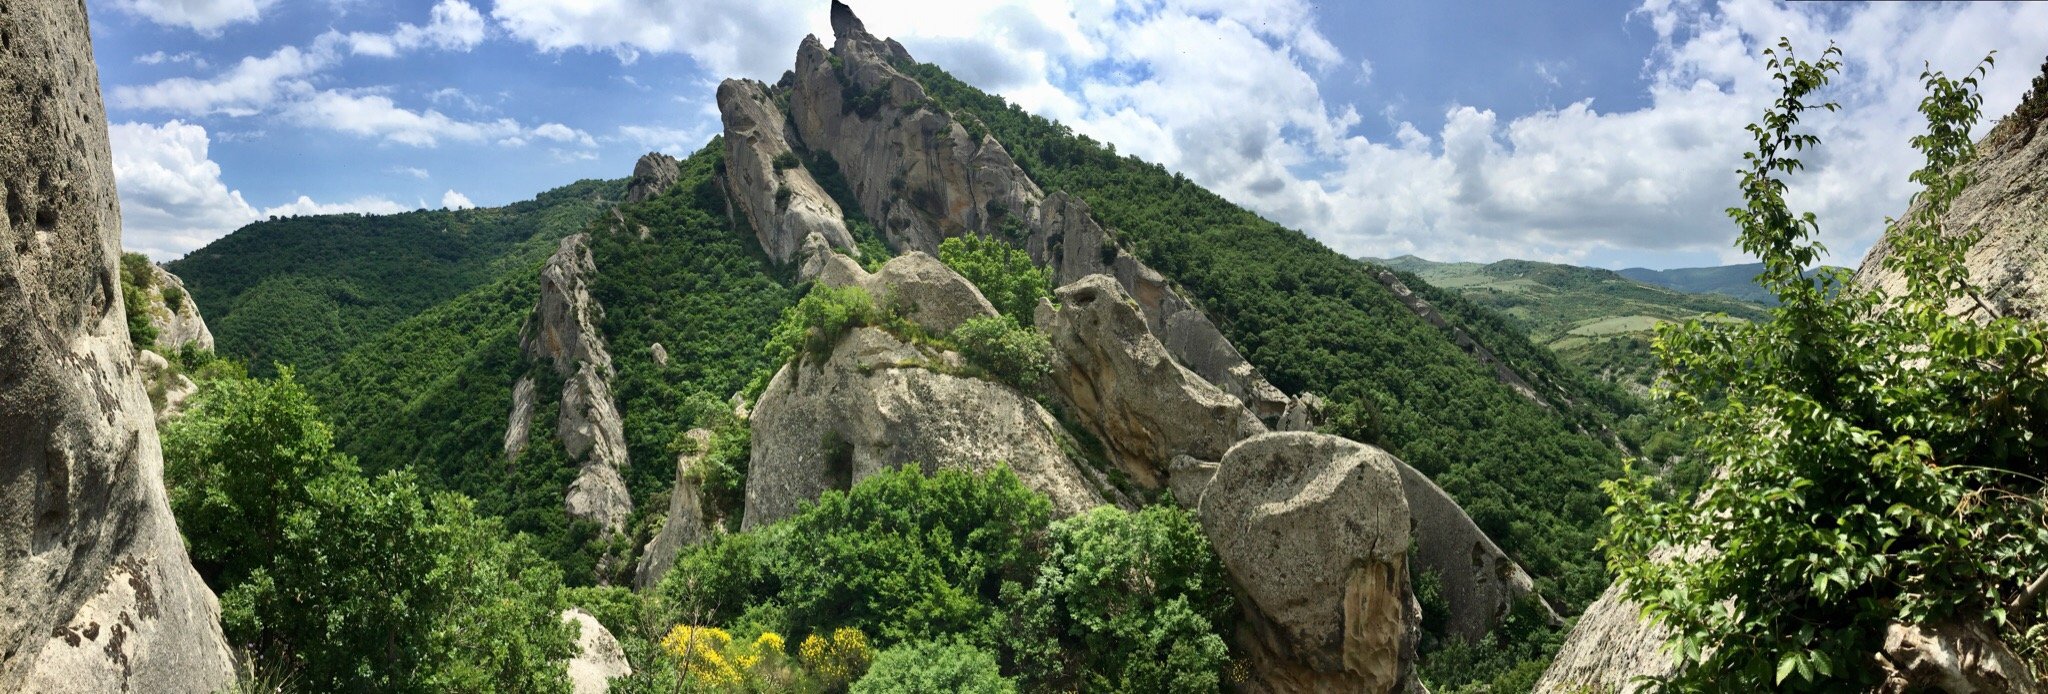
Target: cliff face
point(101, 594)
point(563, 334)
point(174, 314)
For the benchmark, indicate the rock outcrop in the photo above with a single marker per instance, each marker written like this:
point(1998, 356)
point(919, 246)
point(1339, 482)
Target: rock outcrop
point(1608, 650)
point(876, 403)
point(916, 286)
point(2004, 201)
point(924, 178)
point(1480, 582)
point(653, 175)
point(168, 390)
point(598, 659)
point(100, 594)
point(174, 314)
point(562, 332)
point(1313, 530)
point(687, 522)
point(1120, 382)
point(766, 179)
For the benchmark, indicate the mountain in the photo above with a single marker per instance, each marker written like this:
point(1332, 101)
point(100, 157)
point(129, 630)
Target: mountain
point(1600, 321)
point(1738, 281)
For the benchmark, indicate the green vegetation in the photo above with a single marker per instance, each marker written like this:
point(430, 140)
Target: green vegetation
point(934, 666)
point(346, 582)
point(1003, 273)
point(302, 291)
point(1878, 458)
point(1012, 353)
point(1110, 601)
point(1311, 321)
point(136, 280)
point(1595, 320)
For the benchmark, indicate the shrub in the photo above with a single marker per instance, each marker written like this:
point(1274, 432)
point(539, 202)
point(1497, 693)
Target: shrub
point(711, 656)
point(1014, 354)
point(934, 666)
point(1124, 602)
point(786, 161)
point(174, 298)
point(1005, 275)
point(838, 660)
point(817, 321)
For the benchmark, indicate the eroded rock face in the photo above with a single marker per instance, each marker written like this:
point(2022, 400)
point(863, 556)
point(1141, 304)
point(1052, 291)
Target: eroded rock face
point(767, 180)
point(519, 426)
point(563, 333)
point(100, 594)
point(653, 175)
point(1122, 384)
point(1608, 649)
point(1313, 529)
point(687, 522)
point(179, 325)
point(1481, 583)
point(924, 178)
point(598, 657)
point(876, 403)
point(923, 289)
point(2004, 201)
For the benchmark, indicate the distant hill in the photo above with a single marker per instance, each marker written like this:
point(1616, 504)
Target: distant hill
point(1599, 320)
point(1737, 281)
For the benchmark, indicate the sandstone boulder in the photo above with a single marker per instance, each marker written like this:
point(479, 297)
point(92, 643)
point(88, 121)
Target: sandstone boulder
point(768, 181)
point(100, 594)
point(1121, 383)
point(687, 524)
point(598, 659)
point(876, 403)
point(1313, 530)
point(653, 175)
point(918, 286)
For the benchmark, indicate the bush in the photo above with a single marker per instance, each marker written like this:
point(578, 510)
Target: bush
point(1124, 602)
point(934, 666)
point(1014, 354)
point(786, 161)
point(838, 660)
point(815, 323)
point(1005, 275)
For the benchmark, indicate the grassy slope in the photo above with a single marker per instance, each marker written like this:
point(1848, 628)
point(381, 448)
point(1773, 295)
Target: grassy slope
point(1311, 321)
point(302, 291)
point(1596, 319)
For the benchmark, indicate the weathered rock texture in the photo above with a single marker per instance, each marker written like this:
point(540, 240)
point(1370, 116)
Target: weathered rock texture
point(1121, 383)
point(1957, 657)
point(2005, 201)
point(917, 286)
point(100, 594)
point(167, 389)
point(876, 403)
point(768, 181)
point(1609, 648)
point(687, 522)
point(519, 426)
point(1313, 529)
point(176, 326)
point(598, 657)
point(1480, 582)
point(923, 178)
point(563, 333)
point(653, 175)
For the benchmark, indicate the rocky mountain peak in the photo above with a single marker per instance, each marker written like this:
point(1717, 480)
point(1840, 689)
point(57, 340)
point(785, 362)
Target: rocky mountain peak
point(653, 175)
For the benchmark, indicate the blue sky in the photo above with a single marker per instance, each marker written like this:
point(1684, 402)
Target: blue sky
point(1603, 133)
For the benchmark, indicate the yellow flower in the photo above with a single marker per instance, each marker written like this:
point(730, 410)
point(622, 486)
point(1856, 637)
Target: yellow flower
point(768, 641)
point(838, 660)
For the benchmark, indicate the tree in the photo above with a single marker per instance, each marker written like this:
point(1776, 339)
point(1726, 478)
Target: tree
point(934, 666)
point(1005, 275)
point(1879, 458)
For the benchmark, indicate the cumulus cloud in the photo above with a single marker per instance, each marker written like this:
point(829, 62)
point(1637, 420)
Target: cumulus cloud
point(413, 171)
point(668, 140)
point(172, 196)
point(455, 201)
point(160, 57)
point(453, 25)
point(376, 115)
point(753, 38)
point(204, 16)
point(251, 86)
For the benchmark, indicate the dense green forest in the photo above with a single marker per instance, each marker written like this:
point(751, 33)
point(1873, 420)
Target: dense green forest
point(1313, 320)
point(302, 291)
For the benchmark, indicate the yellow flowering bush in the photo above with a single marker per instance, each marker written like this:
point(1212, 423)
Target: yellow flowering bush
point(838, 660)
point(709, 655)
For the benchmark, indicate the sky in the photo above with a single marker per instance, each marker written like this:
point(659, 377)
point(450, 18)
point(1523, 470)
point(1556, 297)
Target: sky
point(1602, 132)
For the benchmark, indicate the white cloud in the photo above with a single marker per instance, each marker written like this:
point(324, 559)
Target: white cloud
point(673, 141)
point(562, 133)
point(203, 16)
point(455, 201)
point(375, 115)
point(753, 38)
point(172, 196)
point(160, 57)
point(413, 171)
point(454, 25)
point(251, 86)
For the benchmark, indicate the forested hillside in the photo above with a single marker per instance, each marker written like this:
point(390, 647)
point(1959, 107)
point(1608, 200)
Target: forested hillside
point(1309, 319)
point(303, 290)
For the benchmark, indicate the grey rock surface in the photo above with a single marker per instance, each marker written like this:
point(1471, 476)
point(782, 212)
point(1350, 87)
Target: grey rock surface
point(563, 333)
point(598, 659)
point(1480, 582)
point(180, 325)
point(768, 181)
point(519, 425)
point(1313, 530)
point(918, 286)
point(100, 593)
point(653, 175)
point(1120, 382)
point(687, 523)
point(876, 403)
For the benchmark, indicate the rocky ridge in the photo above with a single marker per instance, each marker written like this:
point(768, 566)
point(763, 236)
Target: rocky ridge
point(687, 523)
point(562, 333)
point(102, 594)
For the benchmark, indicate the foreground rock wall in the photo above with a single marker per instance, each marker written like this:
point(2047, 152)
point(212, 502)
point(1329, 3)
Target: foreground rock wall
point(100, 594)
